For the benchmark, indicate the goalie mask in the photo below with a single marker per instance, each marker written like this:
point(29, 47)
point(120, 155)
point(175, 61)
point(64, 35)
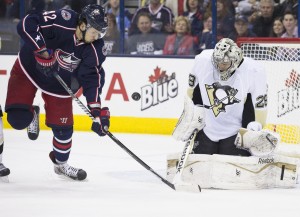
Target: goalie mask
point(226, 58)
point(94, 16)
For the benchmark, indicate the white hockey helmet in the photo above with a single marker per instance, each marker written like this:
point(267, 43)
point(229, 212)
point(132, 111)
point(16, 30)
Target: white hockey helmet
point(226, 50)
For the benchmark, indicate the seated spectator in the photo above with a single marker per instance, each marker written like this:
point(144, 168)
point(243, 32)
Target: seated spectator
point(264, 19)
point(161, 16)
point(195, 14)
point(291, 6)
point(112, 36)
point(148, 41)
point(177, 6)
point(225, 19)
point(241, 29)
point(247, 7)
point(290, 25)
point(115, 10)
point(181, 42)
point(277, 28)
point(206, 40)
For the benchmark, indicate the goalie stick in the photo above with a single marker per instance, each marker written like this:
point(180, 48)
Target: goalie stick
point(177, 180)
point(110, 135)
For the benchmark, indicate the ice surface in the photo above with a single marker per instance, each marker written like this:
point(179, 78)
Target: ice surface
point(117, 185)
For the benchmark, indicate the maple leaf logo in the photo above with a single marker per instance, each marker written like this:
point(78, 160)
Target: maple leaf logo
point(158, 75)
point(293, 80)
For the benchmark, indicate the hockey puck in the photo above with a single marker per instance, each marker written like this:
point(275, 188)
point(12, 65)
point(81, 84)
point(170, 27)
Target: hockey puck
point(136, 96)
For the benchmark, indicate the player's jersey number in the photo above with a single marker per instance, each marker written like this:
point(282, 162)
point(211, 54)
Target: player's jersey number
point(49, 15)
point(262, 101)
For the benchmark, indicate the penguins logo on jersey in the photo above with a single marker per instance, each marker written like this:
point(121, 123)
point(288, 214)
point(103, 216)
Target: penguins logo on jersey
point(66, 60)
point(220, 97)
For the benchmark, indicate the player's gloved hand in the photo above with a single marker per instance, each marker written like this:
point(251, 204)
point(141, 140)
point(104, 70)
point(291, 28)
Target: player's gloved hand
point(255, 126)
point(46, 62)
point(102, 118)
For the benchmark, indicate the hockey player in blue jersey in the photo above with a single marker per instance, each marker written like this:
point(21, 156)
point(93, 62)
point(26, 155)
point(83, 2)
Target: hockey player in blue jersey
point(71, 44)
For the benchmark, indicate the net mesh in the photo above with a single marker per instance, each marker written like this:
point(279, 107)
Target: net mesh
point(281, 61)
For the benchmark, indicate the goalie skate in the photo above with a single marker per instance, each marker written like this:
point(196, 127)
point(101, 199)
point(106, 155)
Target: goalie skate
point(33, 129)
point(4, 172)
point(66, 170)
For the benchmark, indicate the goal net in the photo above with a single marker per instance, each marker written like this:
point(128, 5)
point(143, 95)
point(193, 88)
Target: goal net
point(281, 58)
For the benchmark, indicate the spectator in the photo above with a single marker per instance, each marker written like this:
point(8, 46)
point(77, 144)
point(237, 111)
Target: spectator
point(247, 7)
point(290, 25)
point(241, 29)
point(112, 36)
point(181, 42)
point(149, 41)
point(290, 5)
point(161, 16)
point(206, 41)
point(115, 10)
point(264, 19)
point(177, 6)
point(277, 28)
point(195, 14)
point(225, 19)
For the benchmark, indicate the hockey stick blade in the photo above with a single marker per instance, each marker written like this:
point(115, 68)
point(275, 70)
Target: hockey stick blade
point(188, 187)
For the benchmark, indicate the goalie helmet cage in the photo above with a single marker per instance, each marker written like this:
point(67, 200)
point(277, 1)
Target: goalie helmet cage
point(281, 59)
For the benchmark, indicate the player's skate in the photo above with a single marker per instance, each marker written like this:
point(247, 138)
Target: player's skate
point(33, 129)
point(67, 170)
point(4, 172)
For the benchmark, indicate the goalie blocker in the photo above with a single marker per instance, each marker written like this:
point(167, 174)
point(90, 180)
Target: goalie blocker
point(236, 172)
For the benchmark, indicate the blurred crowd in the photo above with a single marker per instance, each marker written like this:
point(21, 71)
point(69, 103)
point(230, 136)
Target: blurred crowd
point(175, 27)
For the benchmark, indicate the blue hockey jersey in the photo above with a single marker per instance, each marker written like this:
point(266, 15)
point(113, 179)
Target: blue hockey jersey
point(80, 63)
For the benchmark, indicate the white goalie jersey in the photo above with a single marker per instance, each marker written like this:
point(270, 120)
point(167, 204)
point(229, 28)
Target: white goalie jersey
point(224, 100)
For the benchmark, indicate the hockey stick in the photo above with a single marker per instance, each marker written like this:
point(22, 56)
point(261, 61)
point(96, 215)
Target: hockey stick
point(87, 111)
point(177, 180)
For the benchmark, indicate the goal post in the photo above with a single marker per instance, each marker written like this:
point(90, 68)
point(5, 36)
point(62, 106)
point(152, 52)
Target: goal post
point(281, 59)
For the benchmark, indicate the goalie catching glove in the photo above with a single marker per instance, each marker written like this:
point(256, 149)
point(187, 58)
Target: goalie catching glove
point(191, 118)
point(258, 143)
point(102, 118)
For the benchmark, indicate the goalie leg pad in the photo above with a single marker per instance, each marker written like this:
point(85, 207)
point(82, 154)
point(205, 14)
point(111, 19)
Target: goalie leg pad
point(235, 172)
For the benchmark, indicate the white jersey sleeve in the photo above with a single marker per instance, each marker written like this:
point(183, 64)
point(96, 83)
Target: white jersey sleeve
point(258, 91)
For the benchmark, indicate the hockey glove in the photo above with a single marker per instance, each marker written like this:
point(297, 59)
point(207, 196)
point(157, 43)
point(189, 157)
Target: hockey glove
point(46, 62)
point(102, 119)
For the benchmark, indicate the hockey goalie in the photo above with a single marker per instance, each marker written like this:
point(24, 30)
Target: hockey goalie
point(226, 104)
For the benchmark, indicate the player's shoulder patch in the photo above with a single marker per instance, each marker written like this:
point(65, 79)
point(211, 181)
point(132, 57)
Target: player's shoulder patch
point(66, 14)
